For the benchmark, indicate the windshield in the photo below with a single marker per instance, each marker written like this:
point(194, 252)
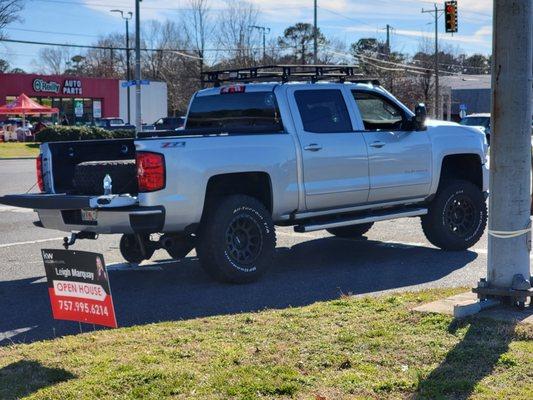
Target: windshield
point(257, 111)
point(475, 121)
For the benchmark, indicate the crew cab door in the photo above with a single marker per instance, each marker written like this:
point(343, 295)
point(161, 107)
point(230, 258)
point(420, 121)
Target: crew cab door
point(335, 159)
point(399, 159)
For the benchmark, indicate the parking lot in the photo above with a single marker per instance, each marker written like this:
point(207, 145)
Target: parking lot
point(308, 268)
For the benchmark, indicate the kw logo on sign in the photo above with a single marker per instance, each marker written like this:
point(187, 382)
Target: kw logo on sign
point(48, 256)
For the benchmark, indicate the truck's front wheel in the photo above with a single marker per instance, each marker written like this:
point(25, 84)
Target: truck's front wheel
point(236, 240)
point(457, 216)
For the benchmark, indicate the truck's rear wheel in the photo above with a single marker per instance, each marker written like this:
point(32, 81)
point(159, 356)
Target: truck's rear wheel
point(237, 240)
point(131, 250)
point(352, 231)
point(457, 216)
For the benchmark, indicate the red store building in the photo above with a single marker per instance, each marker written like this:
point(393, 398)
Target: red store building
point(81, 100)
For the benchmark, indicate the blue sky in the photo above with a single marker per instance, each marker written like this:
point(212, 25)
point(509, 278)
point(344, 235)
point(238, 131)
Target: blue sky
point(82, 21)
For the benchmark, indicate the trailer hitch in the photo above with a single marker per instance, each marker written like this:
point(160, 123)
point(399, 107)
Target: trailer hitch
point(69, 241)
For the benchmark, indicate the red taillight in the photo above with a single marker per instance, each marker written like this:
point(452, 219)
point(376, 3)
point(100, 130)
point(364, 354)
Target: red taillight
point(39, 170)
point(150, 171)
point(232, 89)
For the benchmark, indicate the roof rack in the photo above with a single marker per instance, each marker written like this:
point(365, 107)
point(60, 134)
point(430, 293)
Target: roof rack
point(287, 73)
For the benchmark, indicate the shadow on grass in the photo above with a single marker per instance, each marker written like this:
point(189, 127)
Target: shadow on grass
point(22, 378)
point(471, 360)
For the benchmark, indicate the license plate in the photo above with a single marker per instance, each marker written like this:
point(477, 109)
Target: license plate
point(89, 215)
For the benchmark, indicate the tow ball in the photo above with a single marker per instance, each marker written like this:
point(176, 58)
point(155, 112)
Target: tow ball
point(69, 241)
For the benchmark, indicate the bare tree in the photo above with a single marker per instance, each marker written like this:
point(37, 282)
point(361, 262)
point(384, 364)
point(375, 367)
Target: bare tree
point(53, 60)
point(236, 37)
point(9, 10)
point(179, 69)
point(4, 66)
point(107, 63)
point(199, 30)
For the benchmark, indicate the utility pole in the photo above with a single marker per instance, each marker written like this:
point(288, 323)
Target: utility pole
point(510, 151)
point(387, 43)
point(127, 18)
point(315, 34)
point(437, 14)
point(388, 51)
point(264, 31)
point(138, 117)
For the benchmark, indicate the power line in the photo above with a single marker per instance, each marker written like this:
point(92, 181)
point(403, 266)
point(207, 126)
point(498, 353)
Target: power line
point(164, 50)
point(51, 32)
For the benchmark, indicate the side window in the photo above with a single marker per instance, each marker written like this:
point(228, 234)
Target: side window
point(323, 111)
point(378, 113)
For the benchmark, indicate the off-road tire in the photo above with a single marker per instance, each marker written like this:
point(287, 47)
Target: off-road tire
point(236, 240)
point(352, 231)
point(457, 216)
point(131, 251)
point(89, 176)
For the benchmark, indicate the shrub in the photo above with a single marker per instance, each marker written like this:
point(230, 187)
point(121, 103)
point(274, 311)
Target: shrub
point(66, 133)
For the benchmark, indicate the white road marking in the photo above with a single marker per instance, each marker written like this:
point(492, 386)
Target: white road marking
point(15, 209)
point(9, 334)
point(30, 242)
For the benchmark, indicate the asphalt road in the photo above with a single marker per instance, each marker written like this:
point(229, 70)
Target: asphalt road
point(308, 268)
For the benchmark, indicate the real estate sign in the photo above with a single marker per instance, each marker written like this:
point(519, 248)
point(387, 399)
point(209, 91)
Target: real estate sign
point(78, 286)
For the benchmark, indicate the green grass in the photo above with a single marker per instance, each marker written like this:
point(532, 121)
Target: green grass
point(13, 150)
point(350, 348)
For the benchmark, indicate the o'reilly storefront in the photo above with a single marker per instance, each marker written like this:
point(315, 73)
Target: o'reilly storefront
point(80, 100)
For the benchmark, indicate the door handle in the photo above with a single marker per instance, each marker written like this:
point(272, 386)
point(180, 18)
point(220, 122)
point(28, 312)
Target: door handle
point(377, 144)
point(313, 147)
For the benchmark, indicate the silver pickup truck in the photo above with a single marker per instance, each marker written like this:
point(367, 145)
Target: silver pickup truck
point(314, 155)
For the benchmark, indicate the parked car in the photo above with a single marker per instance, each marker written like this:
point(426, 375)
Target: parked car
point(169, 123)
point(112, 124)
point(317, 156)
point(481, 120)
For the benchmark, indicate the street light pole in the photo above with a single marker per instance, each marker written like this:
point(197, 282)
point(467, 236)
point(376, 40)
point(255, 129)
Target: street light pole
point(127, 18)
point(138, 117)
point(315, 34)
point(264, 30)
point(128, 67)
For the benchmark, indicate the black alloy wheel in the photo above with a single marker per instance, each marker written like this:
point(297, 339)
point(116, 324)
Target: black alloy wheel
point(244, 239)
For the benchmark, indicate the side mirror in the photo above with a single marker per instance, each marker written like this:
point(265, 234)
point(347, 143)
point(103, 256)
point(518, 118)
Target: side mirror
point(420, 117)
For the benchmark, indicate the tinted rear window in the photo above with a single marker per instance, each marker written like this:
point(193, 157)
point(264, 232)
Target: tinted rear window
point(255, 111)
point(323, 111)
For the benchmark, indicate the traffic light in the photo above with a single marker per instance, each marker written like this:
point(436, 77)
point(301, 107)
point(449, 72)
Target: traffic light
point(450, 13)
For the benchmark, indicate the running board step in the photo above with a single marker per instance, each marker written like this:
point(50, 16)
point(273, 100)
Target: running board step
point(361, 219)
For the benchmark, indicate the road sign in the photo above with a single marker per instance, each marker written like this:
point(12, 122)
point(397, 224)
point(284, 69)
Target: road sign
point(78, 286)
point(463, 107)
point(134, 82)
